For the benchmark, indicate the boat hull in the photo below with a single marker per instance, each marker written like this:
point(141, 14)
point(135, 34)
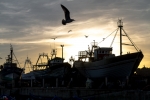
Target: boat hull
point(59, 71)
point(118, 67)
point(11, 73)
point(11, 76)
point(55, 71)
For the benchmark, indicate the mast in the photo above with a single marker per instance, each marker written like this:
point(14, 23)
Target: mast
point(11, 54)
point(62, 50)
point(120, 25)
point(53, 53)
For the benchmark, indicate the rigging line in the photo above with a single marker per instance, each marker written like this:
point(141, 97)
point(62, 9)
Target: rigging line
point(29, 68)
point(17, 60)
point(108, 35)
point(114, 37)
point(131, 41)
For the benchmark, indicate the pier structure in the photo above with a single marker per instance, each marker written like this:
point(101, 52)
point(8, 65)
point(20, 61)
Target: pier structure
point(82, 93)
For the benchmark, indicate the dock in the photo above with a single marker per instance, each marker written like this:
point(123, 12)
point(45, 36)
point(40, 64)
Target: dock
point(84, 93)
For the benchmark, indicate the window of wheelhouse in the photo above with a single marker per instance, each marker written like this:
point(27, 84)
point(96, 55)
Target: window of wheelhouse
point(110, 52)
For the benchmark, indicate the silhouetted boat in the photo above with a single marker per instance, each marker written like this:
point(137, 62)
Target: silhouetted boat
point(10, 71)
point(102, 63)
point(52, 68)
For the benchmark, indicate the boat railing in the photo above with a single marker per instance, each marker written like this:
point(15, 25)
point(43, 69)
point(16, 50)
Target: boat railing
point(43, 63)
point(43, 54)
point(82, 54)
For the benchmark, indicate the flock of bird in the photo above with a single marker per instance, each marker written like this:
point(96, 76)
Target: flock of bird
point(67, 18)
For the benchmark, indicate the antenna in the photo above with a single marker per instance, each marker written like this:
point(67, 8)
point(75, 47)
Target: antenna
point(62, 50)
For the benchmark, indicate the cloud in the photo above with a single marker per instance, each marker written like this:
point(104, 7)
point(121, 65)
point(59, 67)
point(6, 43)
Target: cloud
point(34, 22)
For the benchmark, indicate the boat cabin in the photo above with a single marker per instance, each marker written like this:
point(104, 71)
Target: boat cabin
point(102, 52)
point(55, 61)
point(9, 62)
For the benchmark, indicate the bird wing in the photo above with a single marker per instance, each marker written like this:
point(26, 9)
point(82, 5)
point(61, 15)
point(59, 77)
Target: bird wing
point(86, 36)
point(69, 31)
point(66, 11)
point(54, 38)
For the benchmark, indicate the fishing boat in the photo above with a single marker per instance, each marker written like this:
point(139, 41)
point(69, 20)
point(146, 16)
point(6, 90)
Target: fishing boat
point(102, 63)
point(51, 68)
point(9, 70)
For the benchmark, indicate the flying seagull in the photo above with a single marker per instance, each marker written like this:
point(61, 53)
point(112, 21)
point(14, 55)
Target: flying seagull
point(103, 39)
point(67, 15)
point(54, 38)
point(69, 31)
point(86, 36)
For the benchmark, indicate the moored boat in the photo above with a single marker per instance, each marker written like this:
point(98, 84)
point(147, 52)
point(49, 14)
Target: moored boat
point(102, 63)
point(52, 68)
point(10, 71)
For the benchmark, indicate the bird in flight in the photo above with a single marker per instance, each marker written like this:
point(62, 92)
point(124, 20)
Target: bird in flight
point(54, 38)
point(69, 31)
point(67, 15)
point(103, 39)
point(86, 36)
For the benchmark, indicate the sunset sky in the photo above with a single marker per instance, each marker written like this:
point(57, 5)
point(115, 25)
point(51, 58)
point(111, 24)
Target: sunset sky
point(30, 25)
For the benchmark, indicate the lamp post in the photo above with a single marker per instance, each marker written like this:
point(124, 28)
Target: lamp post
point(62, 50)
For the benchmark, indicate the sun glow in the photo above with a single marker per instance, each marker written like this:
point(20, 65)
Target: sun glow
point(80, 43)
point(77, 41)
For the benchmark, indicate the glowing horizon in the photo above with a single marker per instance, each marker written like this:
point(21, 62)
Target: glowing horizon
point(30, 28)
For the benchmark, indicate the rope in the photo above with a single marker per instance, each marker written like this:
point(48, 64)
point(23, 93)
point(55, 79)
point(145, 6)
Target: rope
point(131, 41)
point(108, 36)
point(114, 38)
point(16, 60)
